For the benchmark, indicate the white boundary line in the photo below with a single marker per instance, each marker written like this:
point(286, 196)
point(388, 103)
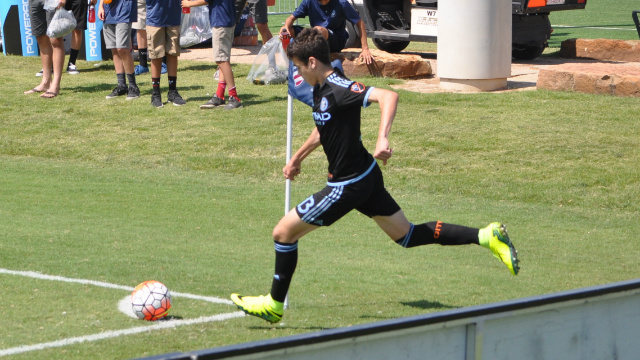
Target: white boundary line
point(167, 324)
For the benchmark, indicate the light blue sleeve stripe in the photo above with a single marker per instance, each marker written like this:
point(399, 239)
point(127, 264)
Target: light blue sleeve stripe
point(366, 97)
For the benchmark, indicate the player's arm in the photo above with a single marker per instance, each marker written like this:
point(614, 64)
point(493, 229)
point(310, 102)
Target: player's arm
point(288, 26)
point(192, 3)
point(388, 101)
point(365, 54)
point(292, 169)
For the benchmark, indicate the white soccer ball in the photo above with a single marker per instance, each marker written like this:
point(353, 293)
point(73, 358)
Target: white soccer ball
point(151, 300)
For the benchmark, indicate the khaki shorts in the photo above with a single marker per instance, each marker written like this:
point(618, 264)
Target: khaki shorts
point(221, 40)
point(141, 24)
point(163, 41)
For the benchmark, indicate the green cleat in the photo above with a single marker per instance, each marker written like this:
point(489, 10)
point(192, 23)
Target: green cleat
point(495, 238)
point(261, 306)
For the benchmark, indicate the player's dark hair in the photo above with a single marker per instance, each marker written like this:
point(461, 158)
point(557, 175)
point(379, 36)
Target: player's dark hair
point(309, 42)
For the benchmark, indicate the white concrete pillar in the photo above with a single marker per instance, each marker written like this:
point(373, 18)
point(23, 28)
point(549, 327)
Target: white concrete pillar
point(474, 44)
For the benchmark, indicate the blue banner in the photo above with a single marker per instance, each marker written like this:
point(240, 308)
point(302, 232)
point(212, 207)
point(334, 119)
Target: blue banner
point(93, 40)
point(29, 43)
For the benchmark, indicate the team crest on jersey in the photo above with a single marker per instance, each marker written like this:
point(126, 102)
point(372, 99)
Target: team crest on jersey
point(297, 78)
point(357, 87)
point(324, 104)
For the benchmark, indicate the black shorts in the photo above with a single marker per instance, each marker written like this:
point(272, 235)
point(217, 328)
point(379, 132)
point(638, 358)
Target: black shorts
point(336, 43)
point(367, 195)
point(79, 10)
point(259, 11)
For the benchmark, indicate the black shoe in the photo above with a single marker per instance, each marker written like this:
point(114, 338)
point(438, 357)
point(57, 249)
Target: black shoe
point(213, 103)
point(156, 100)
point(175, 98)
point(133, 92)
point(118, 91)
point(234, 103)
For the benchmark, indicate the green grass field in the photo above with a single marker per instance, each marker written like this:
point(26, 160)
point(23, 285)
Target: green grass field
point(119, 192)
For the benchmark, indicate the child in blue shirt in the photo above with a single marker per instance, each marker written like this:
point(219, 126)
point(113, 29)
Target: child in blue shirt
point(163, 39)
point(222, 18)
point(118, 17)
point(330, 17)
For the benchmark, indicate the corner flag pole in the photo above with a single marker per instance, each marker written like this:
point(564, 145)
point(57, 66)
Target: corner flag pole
point(287, 192)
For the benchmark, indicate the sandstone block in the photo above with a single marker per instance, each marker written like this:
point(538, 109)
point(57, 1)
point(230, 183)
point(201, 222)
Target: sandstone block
point(601, 49)
point(385, 64)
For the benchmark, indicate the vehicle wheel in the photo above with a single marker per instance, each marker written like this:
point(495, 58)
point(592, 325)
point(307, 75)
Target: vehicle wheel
point(354, 40)
point(391, 46)
point(526, 52)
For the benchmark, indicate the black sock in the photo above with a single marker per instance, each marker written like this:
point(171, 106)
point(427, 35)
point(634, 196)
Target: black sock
point(121, 80)
point(155, 82)
point(172, 82)
point(286, 262)
point(73, 56)
point(143, 56)
point(439, 233)
point(132, 79)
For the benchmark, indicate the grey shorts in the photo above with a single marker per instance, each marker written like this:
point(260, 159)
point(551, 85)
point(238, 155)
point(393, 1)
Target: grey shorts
point(259, 11)
point(221, 40)
point(117, 36)
point(141, 24)
point(40, 17)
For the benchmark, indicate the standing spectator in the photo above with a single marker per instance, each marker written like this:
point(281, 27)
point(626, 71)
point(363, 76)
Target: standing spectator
point(259, 12)
point(51, 50)
point(79, 10)
point(163, 38)
point(330, 16)
point(222, 18)
point(118, 17)
point(141, 37)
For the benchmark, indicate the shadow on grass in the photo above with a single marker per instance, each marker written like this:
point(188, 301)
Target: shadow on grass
point(428, 305)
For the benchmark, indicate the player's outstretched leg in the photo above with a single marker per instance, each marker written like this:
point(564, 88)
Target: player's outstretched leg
point(261, 306)
point(495, 238)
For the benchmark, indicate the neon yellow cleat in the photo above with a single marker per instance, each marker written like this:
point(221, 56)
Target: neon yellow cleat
point(261, 306)
point(495, 238)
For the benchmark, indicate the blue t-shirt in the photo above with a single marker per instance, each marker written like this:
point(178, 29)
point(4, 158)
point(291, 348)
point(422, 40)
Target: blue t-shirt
point(162, 13)
point(222, 13)
point(332, 16)
point(120, 11)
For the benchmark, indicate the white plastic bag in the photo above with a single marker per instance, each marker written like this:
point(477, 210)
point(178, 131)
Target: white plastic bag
point(61, 23)
point(51, 5)
point(270, 65)
point(195, 27)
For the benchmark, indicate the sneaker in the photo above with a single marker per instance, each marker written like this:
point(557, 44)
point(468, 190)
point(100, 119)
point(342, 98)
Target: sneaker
point(213, 103)
point(118, 91)
point(234, 103)
point(41, 72)
point(139, 70)
point(495, 238)
point(156, 100)
point(71, 69)
point(164, 69)
point(175, 98)
point(133, 92)
point(261, 306)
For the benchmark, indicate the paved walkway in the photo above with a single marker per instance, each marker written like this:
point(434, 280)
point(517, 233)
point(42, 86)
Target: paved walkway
point(524, 74)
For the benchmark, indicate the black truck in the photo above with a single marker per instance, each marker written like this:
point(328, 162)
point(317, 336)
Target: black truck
point(393, 24)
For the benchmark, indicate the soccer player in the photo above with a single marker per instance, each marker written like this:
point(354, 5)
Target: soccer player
point(354, 181)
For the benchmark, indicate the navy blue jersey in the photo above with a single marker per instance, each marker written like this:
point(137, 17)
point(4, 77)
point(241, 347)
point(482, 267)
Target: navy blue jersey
point(337, 104)
point(332, 16)
point(120, 11)
point(163, 13)
point(222, 13)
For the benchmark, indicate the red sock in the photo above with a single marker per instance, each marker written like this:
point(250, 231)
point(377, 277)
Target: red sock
point(234, 93)
point(222, 85)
